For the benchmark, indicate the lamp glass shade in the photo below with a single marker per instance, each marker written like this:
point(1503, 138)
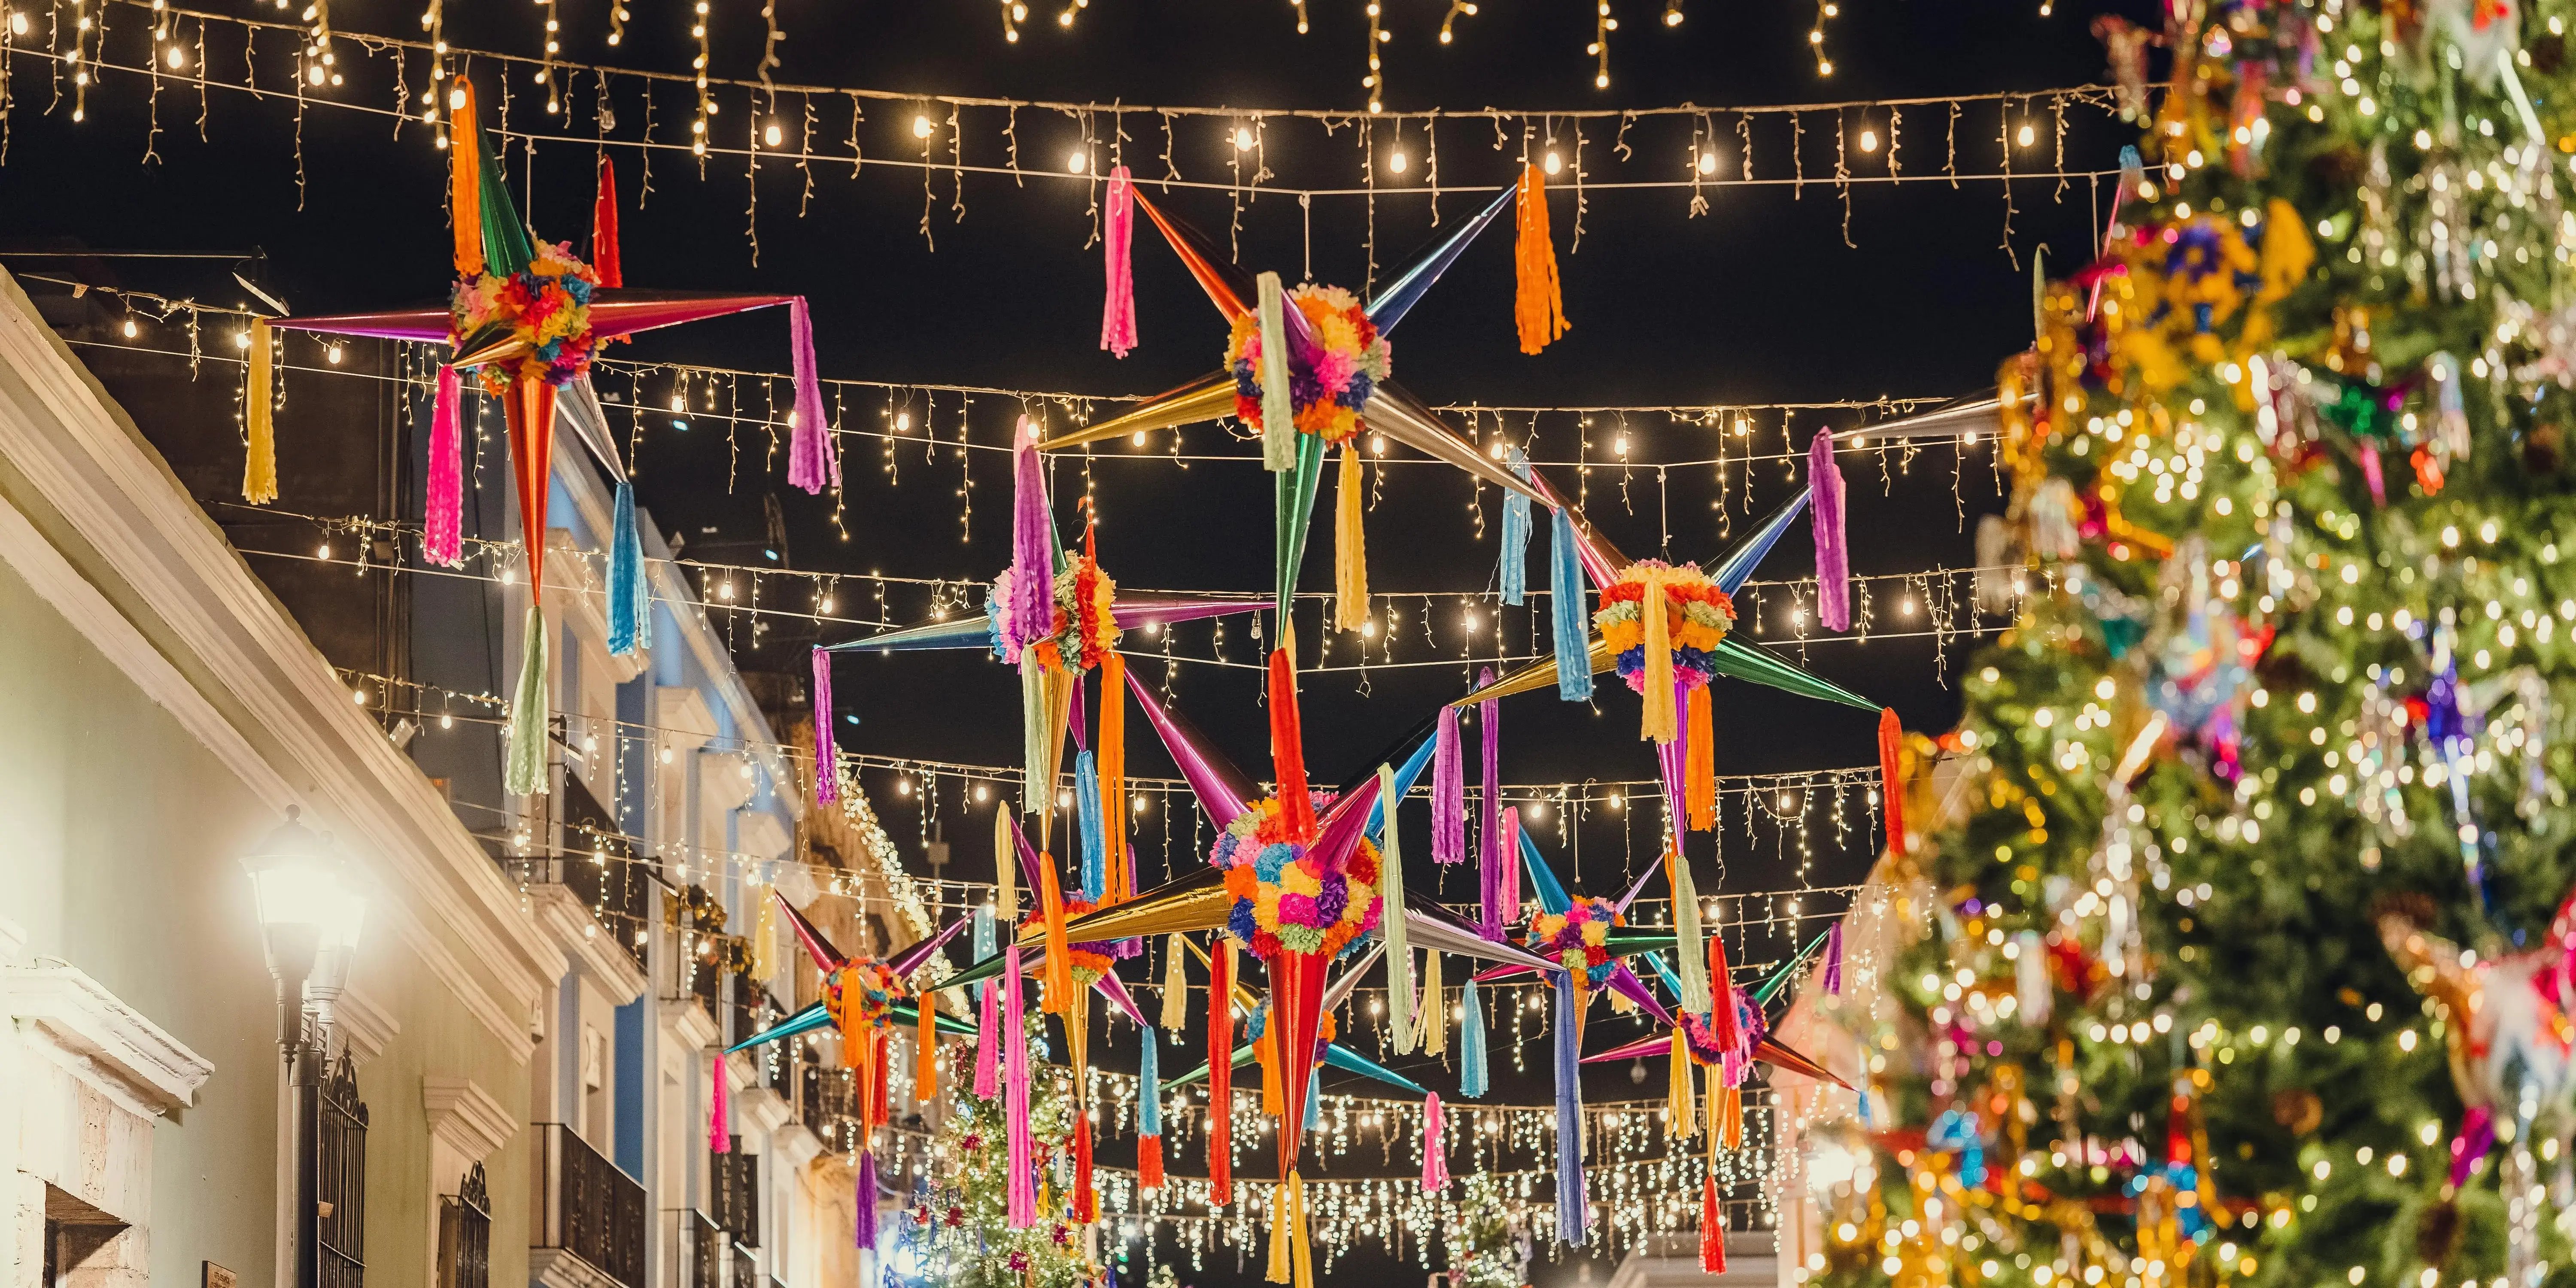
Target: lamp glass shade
point(297, 893)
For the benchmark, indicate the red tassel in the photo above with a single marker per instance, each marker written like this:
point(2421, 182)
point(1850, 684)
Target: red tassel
point(719, 1114)
point(1721, 995)
point(1288, 748)
point(1220, 1028)
point(1712, 1229)
point(604, 259)
point(877, 1081)
point(1891, 784)
point(1086, 1203)
point(1149, 1162)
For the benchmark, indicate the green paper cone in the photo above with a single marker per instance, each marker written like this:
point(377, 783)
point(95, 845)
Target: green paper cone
point(1745, 662)
point(523, 770)
point(505, 236)
point(1294, 508)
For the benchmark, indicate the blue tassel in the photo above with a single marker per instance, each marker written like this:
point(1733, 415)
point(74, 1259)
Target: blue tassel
point(1471, 1045)
point(1571, 1222)
point(986, 943)
point(1149, 1090)
point(1095, 847)
point(1516, 534)
point(1314, 1097)
point(630, 602)
point(1573, 618)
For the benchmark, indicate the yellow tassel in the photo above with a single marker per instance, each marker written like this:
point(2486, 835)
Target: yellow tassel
point(1350, 548)
point(1435, 1008)
point(1176, 985)
point(1699, 776)
point(1621, 1003)
point(1538, 305)
point(1661, 721)
point(764, 941)
point(1683, 1112)
point(1303, 1248)
point(259, 468)
point(1006, 873)
point(1283, 1232)
point(1716, 1114)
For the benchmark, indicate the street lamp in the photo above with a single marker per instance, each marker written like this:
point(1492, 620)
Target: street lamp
point(309, 920)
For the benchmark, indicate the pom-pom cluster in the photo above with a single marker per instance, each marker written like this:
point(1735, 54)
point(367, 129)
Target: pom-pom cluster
point(1697, 615)
point(546, 305)
point(1084, 630)
point(862, 996)
point(1327, 383)
point(1579, 938)
point(1287, 898)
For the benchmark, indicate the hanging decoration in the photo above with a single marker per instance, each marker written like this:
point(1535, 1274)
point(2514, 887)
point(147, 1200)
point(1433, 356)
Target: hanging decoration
point(1538, 304)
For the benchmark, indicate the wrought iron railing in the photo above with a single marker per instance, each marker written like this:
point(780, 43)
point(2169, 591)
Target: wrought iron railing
point(465, 1234)
point(706, 1250)
point(339, 1134)
point(595, 866)
point(588, 1207)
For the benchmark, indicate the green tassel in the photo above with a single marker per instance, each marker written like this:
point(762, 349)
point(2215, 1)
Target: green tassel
point(524, 764)
point(1278, 411)
point(1036, 791)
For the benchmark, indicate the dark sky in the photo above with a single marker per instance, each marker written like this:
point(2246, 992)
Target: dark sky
point(1758, 301)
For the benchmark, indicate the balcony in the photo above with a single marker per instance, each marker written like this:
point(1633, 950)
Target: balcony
point(586, 1208)
point(595, 866)
point(733, 1194)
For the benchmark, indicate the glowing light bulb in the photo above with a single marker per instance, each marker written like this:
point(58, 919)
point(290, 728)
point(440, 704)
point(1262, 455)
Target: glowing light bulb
point(132, 330)
point(1552, 163)
point(1869, 140)
point(1242, 138)
point(921, 127)
point(17, 23)
point(1708, 161)
point(1078, 162)
point(771, 135)
point(178, 58)
point(2026, 136)
point(1397, 161)
point(902, 422)
point(1672, 17)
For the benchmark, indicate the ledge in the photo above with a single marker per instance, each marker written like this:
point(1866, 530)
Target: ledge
point(96, 1034)
point(466, 1116)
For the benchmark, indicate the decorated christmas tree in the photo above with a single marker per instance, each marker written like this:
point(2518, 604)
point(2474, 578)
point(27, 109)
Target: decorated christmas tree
point(2231, 944)
point(960, 1228)
point(1485, 1251)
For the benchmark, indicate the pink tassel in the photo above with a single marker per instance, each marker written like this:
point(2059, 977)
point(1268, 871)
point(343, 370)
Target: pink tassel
point(443, 519)
point(1448, 794)
point(1032, 610)
point(1435, 1146)
point(865, 1197)
point(1825, 510)
point(827, 758)
point(720, 1115)
point(988, 1046)
point(811, 462)
point(1511, 864)
point(1834, 960)
point(1118, 314)
point(1015, 1087)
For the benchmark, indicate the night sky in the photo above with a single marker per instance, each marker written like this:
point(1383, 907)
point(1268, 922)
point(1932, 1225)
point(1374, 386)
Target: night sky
point(1760, 300)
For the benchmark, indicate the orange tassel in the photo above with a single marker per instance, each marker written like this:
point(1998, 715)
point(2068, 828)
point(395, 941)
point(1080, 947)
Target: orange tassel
point(1734, 1124)
point(1288, 748)
point(925, 1076)
point(1059, 953)
point(465, 181)
point(1699, 764)
point(1266, 1052)
point(1891, 780)
point(1220, 1110)
point(1538, 305)
point(1112, 768)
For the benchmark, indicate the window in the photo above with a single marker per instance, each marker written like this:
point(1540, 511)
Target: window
point(339, 1134)
point(465, 1234)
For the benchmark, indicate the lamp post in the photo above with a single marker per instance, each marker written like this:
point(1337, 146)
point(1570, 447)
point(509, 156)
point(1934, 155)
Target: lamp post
point(309, 921)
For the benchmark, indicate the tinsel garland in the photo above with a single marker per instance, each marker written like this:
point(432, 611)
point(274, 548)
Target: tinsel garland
point(1538, 301)
point(1573, 1215)
point(606, 260)
point(1278, 413)
point(524, 762)
point(1220, 1054)
point(1176, 986)
point(1435, 1146)
point(1435, 1011)
point(259, 425)
point(1350, 543)
point(719, 1108)
point(630, 596)
point(1094, 828)
point(863, 1199)
point(1891, 782)
point(812, 462)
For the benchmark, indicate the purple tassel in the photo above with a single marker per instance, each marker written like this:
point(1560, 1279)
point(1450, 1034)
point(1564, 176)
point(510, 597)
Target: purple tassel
point(1015, 1095)
point(1118, 312)
point(1825, 510)
point(1834, 960)
point(1032, 604)
point(827, 758)
point(866, 1199)
point(811, 462)
point(442, 539)
point(988, 1045)
point(1497, 861)
point(1448, 794)
point(2469, 1148)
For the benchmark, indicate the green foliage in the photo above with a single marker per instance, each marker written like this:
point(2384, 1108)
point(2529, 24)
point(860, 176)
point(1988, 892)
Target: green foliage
point(962, 1233)
point(1485, 1251)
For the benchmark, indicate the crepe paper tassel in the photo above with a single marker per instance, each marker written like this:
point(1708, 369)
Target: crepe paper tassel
point(1448, 793)
point(1512, 574)
point(1699, 763)
point(1059, 953)
point(1471, 1044)
point(1891, 780)
point(1023, 1198)
point(1265, 1051)
point(864, 1196)
point(1288, 748)
point(1538, 304)
point(827, 756)
point(878, 1082)
point(1733, 1099)
point(1511, 871)
point(1176, 986)
point(1834, 960)
point(1721, 985)
point(1435, 1146)
point(812, 463)
point(259, 464)
point(1390, 889)
point(1566, 607)
point(1149, 1161)
point(605, 261)
point(1030, 616)
point(630, 623)
point(1497, 862)
point(1350, 543)
point(1712, 1228)
point(1113, 775)
point(1220, 1040)
point(1278, 413)
point(442, 539)
point(1149, 1090)
point(524, 766)
point(925, 1044)
point(1435, 1012)
point(1686, 934)
point(465, 180)
point(1662, 719)
point(1086, 1201)
point(1716, 1114)
point(1117, 236)
point(2371, 474)
point(988, 1044)
point(1573, 1217)
point(1679, 1110)
point(1825, 514)
point(1282, 1264)
point(1037, 785)
point(719, 1109)
point(1095, 845)
point(1314, 1097)
point(1301, 1248)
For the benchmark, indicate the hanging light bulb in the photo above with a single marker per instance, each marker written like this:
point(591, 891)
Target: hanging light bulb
point(771, 135)
point(921, 127)
point(1552, 163)
point(132, 330)
point(1078, 162)
point(1243, 138)
point(1707, 162)
point(1869, 140)
point(2026, 135)
point(1396, 162)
